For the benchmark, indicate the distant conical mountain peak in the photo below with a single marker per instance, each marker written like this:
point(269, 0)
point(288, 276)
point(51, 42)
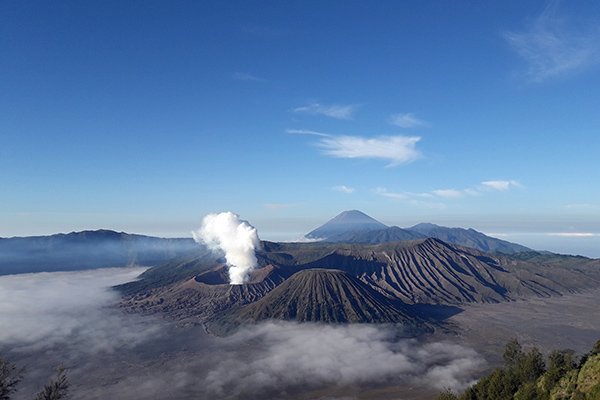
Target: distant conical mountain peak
point(352, 221)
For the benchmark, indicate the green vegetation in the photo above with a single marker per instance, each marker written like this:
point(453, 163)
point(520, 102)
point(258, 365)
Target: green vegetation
point(559, 260)
point(55, 389)
point(10, 377)
point(526, 377)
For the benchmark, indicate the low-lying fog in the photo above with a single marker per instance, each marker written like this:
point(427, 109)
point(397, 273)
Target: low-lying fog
point(66, 317)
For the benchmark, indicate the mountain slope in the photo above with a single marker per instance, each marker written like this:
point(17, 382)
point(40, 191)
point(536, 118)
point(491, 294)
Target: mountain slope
point(320, 295)
point(87, 250)
point(348, 222)
point(199, 297)
point(431, 271)
point(468, 238)
point(391, 234)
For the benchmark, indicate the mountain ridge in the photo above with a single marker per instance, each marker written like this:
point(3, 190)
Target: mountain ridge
point(333, 231)
point(88, 249)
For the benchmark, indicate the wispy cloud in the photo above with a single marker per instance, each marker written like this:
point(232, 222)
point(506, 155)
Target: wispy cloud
point(573, 234)
point(553, 46)
point(406, 121)
point(449, 193)
point(500, 185)
point(343, 189)
point(426, 195)
point(582, 207)
point(240, 76)
point(306, 132)
point(484, 187)
point(383, 192)
point(396, 149)
point(334, 111)
point(472, 192)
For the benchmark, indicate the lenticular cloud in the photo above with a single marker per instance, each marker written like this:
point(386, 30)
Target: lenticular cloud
point(236, 238)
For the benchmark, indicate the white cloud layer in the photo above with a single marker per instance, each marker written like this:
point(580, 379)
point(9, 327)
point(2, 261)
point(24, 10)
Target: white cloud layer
point(500, 185)
point(487, 186)
point(384, 192)
point(333, 111)
point(396, 149)
point(66, 317)
point(310, 355)
point(573, 234)
point(240, 76)
point(553, 46)
point(406, 121)
point(39, 311)
point(343, 189)
point(306, 132)
point(449, 193)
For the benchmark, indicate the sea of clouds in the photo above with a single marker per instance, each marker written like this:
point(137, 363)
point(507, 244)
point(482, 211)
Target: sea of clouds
point(70, 318)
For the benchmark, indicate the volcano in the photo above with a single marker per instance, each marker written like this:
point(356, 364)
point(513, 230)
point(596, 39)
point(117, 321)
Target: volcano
point(332, 282)
point(321, 295)
point(344, 224)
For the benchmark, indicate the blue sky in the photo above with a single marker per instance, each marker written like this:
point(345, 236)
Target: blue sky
point(144, 116)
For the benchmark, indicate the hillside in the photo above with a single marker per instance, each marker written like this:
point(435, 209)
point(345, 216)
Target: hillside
point(87, 250)
point(468, 238)
point(431, 271)
point(321, 295)
point(391, 234)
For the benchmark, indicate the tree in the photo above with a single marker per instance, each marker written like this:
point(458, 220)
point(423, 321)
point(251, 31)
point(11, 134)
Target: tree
point(530, 391)
point(10, 377)
point(513, 354)
point(532, 366)
point(446, 394)
point(561, 362)
point(55, 389)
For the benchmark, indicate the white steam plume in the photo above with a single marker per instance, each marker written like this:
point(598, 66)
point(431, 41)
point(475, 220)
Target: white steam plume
point(236, 238)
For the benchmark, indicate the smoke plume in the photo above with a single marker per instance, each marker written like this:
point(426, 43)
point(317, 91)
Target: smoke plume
point(236, 238)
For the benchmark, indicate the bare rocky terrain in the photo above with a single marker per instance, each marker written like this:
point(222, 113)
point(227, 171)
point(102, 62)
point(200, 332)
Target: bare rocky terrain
point(570, 321)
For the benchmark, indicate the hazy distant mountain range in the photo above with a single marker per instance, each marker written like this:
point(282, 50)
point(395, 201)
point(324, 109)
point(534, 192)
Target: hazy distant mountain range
point(105, 248)
point(87, 250)
point(356, 227)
